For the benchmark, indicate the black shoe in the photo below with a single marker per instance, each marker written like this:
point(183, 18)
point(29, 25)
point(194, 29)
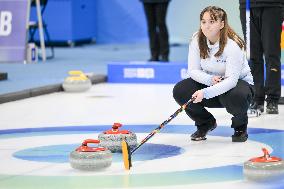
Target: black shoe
point(272, 108)
point(255, 109)
point(240, 136)
point(201, 133)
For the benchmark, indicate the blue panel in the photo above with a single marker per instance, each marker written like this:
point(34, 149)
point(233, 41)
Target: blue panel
point(111, 21)
point(120, 21)
point(59, 27)
point(150, 72)
point(146, 72)
point(69, 20)
point(84, 19)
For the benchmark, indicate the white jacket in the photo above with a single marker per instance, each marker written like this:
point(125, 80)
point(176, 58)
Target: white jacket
point(232, 65)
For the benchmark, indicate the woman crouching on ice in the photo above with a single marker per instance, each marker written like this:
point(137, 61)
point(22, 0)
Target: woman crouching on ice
point(216, 52)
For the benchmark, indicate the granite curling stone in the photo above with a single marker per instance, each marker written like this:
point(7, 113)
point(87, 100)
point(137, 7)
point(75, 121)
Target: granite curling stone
point(76, 82)
point(264, 168)
point(90, 158)
point(112, 139)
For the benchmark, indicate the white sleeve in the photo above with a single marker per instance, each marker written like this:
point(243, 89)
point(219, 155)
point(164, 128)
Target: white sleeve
point(194, 68)
point(234, 66)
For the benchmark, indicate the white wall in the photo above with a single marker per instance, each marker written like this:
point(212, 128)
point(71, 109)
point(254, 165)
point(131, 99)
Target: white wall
point(183, 17)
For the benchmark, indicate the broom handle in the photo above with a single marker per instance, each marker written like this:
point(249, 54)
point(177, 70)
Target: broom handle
point(167, 121)
point(163, 124)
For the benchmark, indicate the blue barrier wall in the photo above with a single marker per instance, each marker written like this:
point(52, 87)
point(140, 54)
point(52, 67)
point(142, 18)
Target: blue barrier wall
point(111, 21)
point(120, 21)
point(69, 20)
point(146, 72)
point(151, 72)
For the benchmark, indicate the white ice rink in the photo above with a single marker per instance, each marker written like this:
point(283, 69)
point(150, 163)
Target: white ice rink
point(37, 134)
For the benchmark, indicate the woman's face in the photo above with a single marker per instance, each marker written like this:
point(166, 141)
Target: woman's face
point(210, 27)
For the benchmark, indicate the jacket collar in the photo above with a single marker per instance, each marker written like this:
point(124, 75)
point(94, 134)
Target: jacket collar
point(216, 45)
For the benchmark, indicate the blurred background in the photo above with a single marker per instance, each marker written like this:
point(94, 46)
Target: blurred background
point(116, 21)
point(87, 35)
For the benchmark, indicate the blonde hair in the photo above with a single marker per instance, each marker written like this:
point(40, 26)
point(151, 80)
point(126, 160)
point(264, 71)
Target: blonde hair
point(225, 33)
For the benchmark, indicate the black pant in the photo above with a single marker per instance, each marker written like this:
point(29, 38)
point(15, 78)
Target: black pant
point(236, 101)
point(157, 28)
point(265, 34)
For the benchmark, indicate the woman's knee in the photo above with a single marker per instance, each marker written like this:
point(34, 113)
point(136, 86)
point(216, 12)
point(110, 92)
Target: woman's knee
point(178, 91)
point(236, 102)
point(183, 91)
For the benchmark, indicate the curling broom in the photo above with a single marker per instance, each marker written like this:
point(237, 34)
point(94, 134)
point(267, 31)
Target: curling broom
point(126, 153)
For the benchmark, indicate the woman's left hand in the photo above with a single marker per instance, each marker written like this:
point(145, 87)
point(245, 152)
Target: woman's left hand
point(198, 95)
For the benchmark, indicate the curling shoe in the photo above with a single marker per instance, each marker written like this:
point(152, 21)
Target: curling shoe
point(272, 108)
point(240, 136)
point(201, 133)
point(255, 106)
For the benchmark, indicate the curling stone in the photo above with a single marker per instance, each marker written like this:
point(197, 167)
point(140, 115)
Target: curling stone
point(76, 82)
point(90, 158)
point(111, 139)
point(263, 168)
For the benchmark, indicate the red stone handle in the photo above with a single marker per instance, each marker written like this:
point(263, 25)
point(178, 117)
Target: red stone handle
point(115, 126)
point(266, 158)
point(87, 141)
point(85, 148)
point(266, 153)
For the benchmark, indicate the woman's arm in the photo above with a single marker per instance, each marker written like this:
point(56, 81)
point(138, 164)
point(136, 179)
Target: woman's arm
point(234, 65)
point(194, 68)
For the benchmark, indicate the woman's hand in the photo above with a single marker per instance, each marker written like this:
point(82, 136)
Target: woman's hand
point(216, 79)
point(198, 95)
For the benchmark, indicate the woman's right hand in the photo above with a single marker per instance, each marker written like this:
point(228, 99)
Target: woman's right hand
point(216, 79)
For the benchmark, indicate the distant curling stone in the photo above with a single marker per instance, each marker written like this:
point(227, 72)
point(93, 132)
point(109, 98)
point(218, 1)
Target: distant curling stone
point(76, 82)
point(90, 158)
point(264, 168)
point(112, 139)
